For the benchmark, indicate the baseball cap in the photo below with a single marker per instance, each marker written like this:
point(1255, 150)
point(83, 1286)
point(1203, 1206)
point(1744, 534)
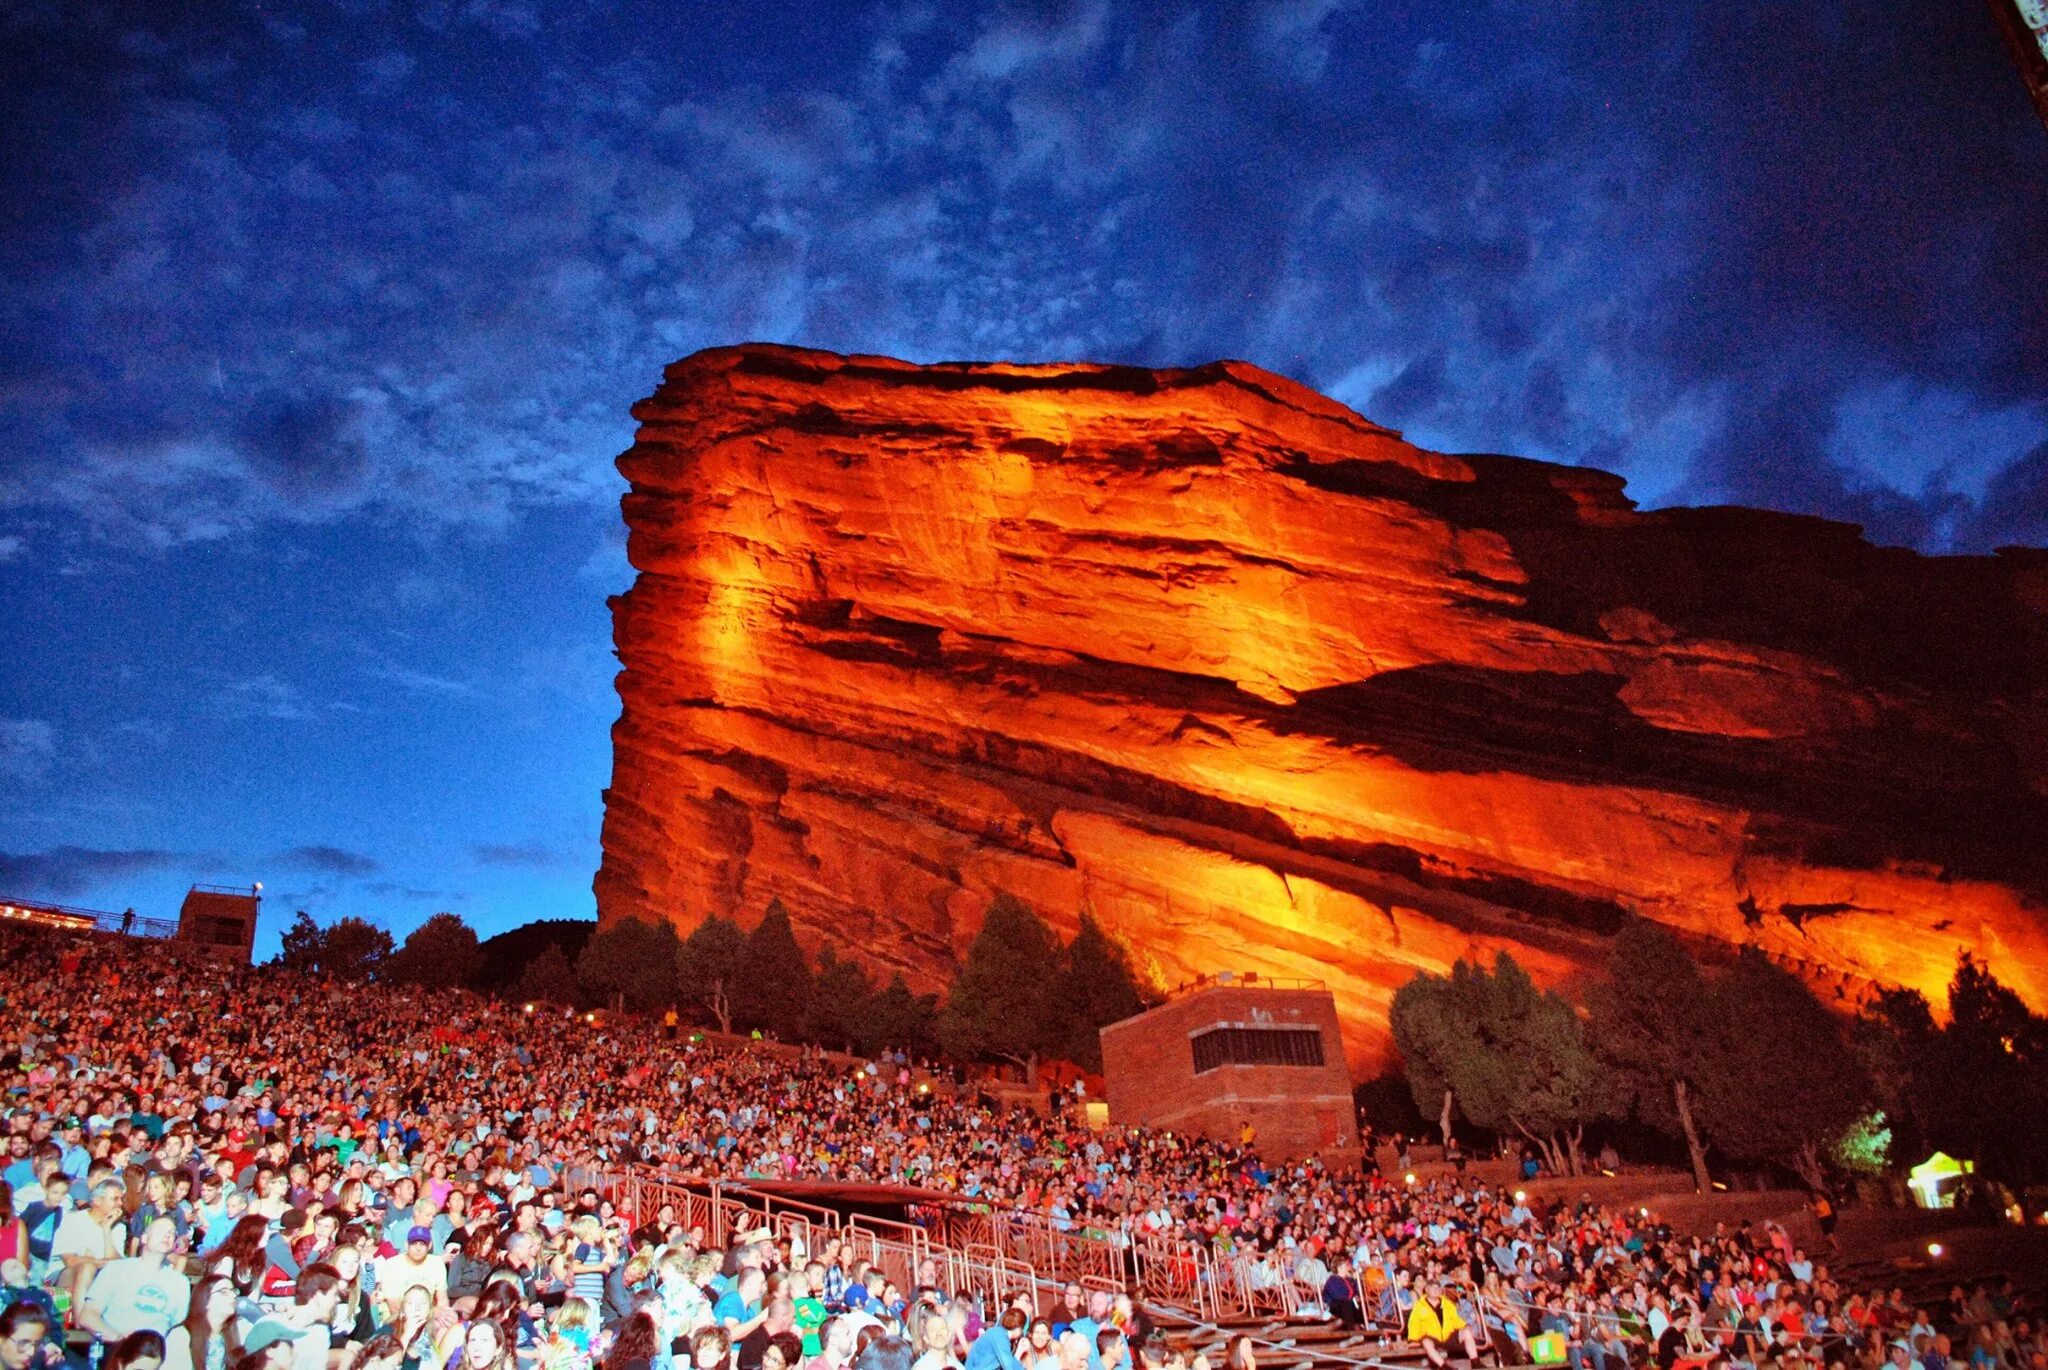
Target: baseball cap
point(420, 1234)
point(270, 1331)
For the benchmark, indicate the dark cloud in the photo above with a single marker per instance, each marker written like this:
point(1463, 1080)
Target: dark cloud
point(62, 872)
point(531, 854)
point(2015, 506)
point(305, 447)
point(424, 277)
point(328, 861)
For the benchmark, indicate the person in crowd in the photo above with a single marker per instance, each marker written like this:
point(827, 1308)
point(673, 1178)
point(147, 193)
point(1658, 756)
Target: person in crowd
point(317, 1116)
point(144, 1292)
point(210, 1335)
point(304, 1323)
point(139, 1350)
point(29, 1337)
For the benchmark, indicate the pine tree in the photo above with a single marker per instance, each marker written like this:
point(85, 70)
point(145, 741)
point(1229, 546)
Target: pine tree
point(1096, 987)
point(841, 1000)
point(630, 964)
point(708, 965)
point(1652, 1028)
point(773, 986)
point(1001, 1003)
point(300, 949)
point(548, 978)
point(1780, 1083)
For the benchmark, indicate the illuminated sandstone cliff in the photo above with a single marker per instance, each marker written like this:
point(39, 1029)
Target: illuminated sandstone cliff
point(1269, 688)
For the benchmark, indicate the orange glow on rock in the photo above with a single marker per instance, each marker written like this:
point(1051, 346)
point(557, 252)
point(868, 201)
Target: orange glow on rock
point(1270, 689)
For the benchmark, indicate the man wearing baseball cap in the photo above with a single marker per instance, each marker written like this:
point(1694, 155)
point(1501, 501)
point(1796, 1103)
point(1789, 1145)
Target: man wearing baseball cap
point(418, 1264)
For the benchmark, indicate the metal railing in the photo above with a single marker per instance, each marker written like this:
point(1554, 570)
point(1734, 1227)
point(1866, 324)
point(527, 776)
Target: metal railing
point(70, 918)
point(994, 1251)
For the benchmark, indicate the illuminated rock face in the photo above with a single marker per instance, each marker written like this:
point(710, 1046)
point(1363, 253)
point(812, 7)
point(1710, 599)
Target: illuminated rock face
point(1270, 689)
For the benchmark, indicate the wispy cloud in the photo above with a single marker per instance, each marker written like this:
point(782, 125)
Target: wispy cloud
point(526, 854)
point(62, 872)
point(328, 861)
point(28, 750)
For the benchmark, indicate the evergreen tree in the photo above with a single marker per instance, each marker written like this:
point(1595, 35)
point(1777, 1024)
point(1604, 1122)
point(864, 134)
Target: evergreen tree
point(773, 986)
point(841, 996)
point(1097, 986)
point(708, 964)
point(1894, 1039)
point(1512, 1056)
point(630, 964)
point(1001, 1003)
point(441, 953)
point(1652, 1028)
point(1781, 1084)
point(1432, 1034)
point(899, 1019)
point(548, 978)
point(1988, 1078)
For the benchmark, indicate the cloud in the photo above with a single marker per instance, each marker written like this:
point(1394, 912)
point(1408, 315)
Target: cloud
point(290, 297)
point(61, 872)
point(527, 854)
point(12, 547)
point(388, 889)
point(328, 861)
point(28, 749)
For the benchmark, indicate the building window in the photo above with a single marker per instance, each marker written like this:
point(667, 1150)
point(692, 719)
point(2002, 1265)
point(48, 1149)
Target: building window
point(1242, 1046)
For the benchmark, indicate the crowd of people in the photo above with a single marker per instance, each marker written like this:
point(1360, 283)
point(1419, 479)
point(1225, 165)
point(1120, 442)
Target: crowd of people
point(220, 1167)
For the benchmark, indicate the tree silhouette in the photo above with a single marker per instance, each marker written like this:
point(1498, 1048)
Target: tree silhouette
point(1652, 1028)
point(708, 966)
point(1781, 1083)
point(548, 978)
point(630, 964)
point(441, 953)
point(773, 986)
point(1001, 1004)
point(1096, 986)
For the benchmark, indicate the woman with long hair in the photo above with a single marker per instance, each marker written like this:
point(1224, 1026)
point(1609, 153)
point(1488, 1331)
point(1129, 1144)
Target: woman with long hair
point(158, 1201)
point(137, 1351)
point(348, 1202)
point(635, 1346)
point(484, 1347)
point(1239, 1354)
point(471, 1267)
point(241, 1257)
point(501, 1303)
point(352, 1321)
point(414, 1328)
point(210, 1338)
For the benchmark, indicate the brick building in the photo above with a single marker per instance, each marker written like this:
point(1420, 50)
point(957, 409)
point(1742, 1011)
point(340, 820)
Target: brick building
point(1234, 1049)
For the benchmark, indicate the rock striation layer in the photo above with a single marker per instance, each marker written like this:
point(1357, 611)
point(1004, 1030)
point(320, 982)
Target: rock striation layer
point(1268, 688)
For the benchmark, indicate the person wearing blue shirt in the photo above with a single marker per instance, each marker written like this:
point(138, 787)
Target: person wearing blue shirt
point(995, 1348)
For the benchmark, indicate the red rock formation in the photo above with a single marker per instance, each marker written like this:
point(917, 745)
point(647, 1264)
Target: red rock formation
point(1269, 688)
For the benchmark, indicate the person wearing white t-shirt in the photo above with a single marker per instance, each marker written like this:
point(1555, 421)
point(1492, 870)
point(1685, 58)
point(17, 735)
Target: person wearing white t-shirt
point(89, 1238)
point(416, 1265)
point(143, 1293)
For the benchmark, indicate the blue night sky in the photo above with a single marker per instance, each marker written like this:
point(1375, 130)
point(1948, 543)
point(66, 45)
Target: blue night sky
point(319, 324)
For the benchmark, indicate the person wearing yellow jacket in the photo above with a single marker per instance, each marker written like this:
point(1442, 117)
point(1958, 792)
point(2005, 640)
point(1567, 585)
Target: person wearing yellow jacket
point(1434, 1324)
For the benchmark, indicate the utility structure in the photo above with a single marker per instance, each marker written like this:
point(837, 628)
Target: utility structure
point(1235, 1049)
